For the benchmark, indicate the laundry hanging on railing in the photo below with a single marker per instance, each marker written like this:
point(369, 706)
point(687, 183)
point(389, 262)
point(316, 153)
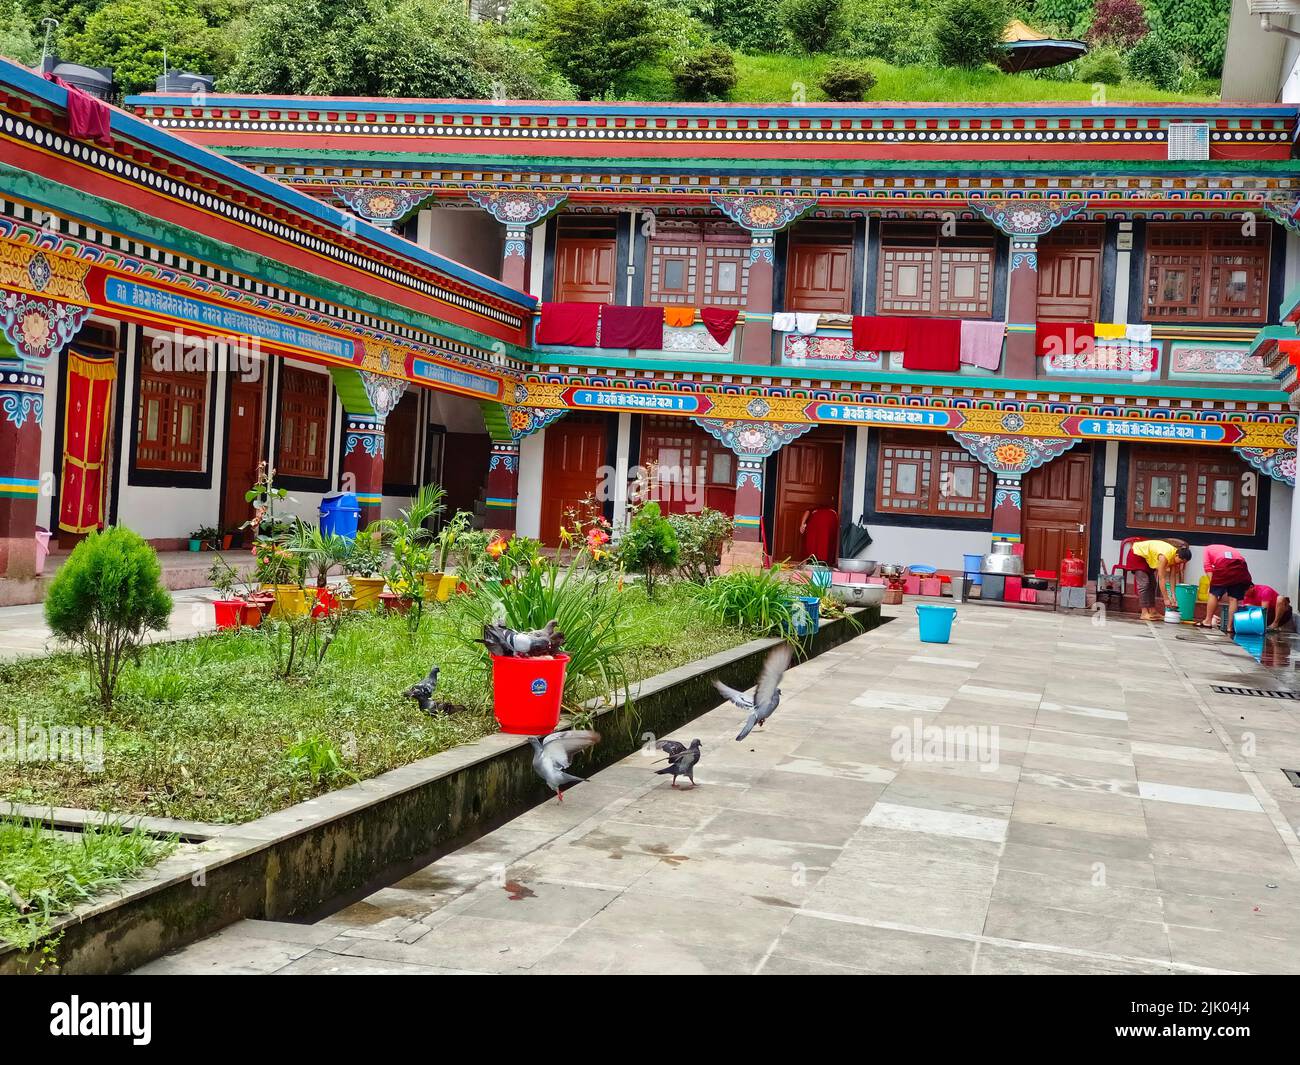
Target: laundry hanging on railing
point(795, 322)
point(720, 322)
point(631, 327)
point(981, 343)
point(568, 323)
point(933, 344)
point(879, 333)
point(679, 317)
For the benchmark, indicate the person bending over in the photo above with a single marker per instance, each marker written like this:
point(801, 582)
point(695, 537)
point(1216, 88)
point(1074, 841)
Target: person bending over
point(1165, 564)
point(1229, 578)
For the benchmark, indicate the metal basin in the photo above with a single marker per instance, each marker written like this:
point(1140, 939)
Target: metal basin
point(857, 565)
point(859, 594)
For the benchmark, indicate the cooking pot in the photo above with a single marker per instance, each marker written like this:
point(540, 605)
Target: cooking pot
point(1003, 560)
point(891, 569)
point(858, 565)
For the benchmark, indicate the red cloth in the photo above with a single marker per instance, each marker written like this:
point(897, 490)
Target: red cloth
point(85, 430)
point(1064, 338)
point(88, 116)
point(821, 535)
point(632, 327)
point(1260, 595)
point(878, 333)
point(719, 321)
point(568, 323)
point(933, 344)
point(1230, 571)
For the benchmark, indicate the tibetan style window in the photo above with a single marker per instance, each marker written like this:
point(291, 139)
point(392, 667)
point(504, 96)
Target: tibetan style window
point(697, 264)
point(172, 417)
point(819, 268)
point(1175, 491)
point(921, 474)
point(1206, 273)
point(688, 468)
point(923, 272)
point(304, 423)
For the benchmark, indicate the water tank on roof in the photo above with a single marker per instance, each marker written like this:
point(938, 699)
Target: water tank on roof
point(98, 81)
point(182, 81)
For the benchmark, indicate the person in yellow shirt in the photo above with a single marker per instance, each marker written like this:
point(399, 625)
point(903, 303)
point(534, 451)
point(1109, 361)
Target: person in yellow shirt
point(1165, 564)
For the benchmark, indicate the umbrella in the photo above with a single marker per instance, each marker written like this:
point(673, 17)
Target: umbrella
point(1025, 49)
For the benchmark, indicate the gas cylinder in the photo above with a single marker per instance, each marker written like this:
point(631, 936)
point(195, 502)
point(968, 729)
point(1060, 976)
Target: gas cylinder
point(1074, 571)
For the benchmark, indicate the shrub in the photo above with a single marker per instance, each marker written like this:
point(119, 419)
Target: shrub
point(1119, 22)
point(1195, 29)
point(104, 600)
point(649, 546)
point(596, 44)
point(967, 33)
point(749, 25)
point(813, 25)
point(1066, 17)
point(759, 600)
point(881, 29)
point(708, 74)
point(1103, 65)
point(1153, 61)
point(846, 81)
point(700, 539)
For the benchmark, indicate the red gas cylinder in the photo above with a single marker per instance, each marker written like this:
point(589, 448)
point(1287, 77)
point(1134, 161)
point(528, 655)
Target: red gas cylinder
point(1074, 571)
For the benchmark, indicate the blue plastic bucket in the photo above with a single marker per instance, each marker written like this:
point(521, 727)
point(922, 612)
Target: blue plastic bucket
point(1248, 622)
point(340, 515)
point(936, 622)
point(971, 564)
point(820, 576)
point(807, 615)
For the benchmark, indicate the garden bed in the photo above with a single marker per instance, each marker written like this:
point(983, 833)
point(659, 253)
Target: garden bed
point(204, 730)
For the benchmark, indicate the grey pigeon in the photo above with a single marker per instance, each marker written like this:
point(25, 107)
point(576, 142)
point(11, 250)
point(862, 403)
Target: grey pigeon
point(551, 757)
point(767, 692)
point(422, 692)
point(681, 759)
point(504, 642)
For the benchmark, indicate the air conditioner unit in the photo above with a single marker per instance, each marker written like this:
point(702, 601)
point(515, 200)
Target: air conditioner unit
point(1274, 7)
point(1189, 140)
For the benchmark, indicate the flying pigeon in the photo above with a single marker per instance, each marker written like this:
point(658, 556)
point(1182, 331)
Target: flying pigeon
point(681, 759)
point(767, 692)
point(505, 642)
point(422, 692)
point(551, 757)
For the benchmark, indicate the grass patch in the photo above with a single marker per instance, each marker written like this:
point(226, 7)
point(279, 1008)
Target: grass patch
point(52, 872)
point(772, 79)
point(204, 730)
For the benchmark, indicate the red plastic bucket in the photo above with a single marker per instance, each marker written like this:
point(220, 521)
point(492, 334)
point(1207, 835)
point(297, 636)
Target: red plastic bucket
point(526, 693)
point(229, 612)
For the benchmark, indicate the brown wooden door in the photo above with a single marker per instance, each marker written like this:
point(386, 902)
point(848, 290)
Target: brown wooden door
point(1069, 275)
point(1057, 501)
point(584, 270)
point(243, 449)
point(820, 278)
point(575, 452)
point(808, 475)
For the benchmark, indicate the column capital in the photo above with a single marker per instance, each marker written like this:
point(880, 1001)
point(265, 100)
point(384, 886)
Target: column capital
point(517, 209)
point(1007, 455)
point(1284, 213)
point(753, 440)
point(1275, 462)
point(381, 205)
point(761, 213)
point(38, 328)
point(1019, 217)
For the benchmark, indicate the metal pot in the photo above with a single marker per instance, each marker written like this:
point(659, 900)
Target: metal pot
point(858, 565)
point(1002, 560)
point(859, 594)
point(891, 569)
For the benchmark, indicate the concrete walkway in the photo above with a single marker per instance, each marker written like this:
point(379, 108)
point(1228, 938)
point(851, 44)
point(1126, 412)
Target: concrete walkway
point(1089, 805)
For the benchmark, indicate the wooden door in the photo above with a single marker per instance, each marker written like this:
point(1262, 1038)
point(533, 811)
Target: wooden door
point(1057, 501)
point(584, 270)
point(575, 452)
point(243, 449)
point(808, 475)
point(819, 277)
point(1069, 275)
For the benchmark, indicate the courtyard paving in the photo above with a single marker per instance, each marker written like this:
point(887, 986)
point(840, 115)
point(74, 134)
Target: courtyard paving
point(1108, 813)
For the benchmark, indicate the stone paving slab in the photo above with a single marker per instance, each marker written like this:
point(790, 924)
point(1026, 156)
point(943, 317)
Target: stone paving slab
point(1042, 795)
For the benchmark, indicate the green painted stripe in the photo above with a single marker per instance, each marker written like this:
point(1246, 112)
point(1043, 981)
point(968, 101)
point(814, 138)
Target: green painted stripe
point(351, 390)
point(494, 418)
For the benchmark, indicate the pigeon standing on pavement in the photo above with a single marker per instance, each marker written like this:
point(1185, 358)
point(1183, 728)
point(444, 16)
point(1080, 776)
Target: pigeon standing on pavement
point(504, 642)
point(681, 759)
point(767, 692)
point(551, 757)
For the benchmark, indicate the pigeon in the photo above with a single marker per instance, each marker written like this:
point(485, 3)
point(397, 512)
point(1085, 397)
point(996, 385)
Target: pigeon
point(681, 759)
point(551, 757)
point(422, 692)
point(767, 692)
point(504, 642)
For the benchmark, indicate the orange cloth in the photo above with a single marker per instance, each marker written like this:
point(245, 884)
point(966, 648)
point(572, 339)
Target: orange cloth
point(679, 317)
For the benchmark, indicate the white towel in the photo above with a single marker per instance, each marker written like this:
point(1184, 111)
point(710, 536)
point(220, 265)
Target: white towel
point(806, 323)
point(784, 322)
point(1139, 334)
point(981, 343)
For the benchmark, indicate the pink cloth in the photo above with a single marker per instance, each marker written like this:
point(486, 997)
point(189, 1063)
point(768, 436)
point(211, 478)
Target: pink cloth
point(1216, 553)
point(568, 323)
point(981, 344)
point(1260, 595)
point(632, 327)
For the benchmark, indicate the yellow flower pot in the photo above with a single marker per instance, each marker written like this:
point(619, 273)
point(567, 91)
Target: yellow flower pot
point(290, 602)
point(366, 591)
point(446, 586)
point(432, 581)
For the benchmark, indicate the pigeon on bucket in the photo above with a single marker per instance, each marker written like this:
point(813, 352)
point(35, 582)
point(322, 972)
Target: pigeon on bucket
point(505, 642)
point(767, 692)
point(681, 759)
point(551, 757)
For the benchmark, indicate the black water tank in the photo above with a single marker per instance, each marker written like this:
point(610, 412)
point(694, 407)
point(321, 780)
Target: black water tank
point(182, 81)
point(98, 81)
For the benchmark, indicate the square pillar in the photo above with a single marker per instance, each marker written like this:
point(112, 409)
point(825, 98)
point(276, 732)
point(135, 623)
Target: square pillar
point(1022, 308)
point(502, 496)
point(22, 402)
point(363, 465)
point(756, 336)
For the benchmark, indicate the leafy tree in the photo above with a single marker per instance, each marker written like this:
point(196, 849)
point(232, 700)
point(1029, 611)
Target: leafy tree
point(708, 74)
point(18, 37)
point(885, 30)
point(749, 25)
point(104, 600)
point(813, 25)
point(967, 33)
point(130, 36)
point(1068, 17)
point(1153, 61)
point(846, 81)
point(1118, 22)
point(1198, 29)
point(597, 44)
point(650, 545)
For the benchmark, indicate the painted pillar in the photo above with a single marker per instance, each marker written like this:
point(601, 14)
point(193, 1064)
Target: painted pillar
point(1006, 508)
point(518, 212)
point(368, 397)
point(1024, 221)
point(763, 216)
point(502, 496)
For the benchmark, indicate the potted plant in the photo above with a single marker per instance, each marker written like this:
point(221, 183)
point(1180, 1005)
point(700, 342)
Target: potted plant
point(440, 583)
point(208, 537)
point(196, 540)
point(276, 569)
point(229, 605)
point(408, 538)
point(364, 567)
point(227, 539)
